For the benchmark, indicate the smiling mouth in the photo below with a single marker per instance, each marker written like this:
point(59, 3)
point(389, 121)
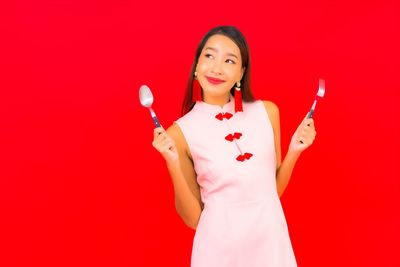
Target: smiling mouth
point(214, 80)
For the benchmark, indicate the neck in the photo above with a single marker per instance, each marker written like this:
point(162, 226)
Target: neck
point(217, 100)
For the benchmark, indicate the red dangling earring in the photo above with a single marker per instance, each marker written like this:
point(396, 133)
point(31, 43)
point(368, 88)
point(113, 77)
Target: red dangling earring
point(196, 89)
point(238, 98)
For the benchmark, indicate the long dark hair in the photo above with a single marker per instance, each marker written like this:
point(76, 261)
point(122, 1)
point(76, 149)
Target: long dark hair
point(237, 37)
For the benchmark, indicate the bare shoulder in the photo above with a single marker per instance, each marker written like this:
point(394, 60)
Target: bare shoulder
point(272, 110)
point(175, 132)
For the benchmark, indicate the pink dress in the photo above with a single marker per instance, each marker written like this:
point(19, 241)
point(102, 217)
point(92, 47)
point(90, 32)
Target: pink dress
point(242, 223)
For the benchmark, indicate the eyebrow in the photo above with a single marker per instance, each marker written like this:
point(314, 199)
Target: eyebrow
point(216, 50)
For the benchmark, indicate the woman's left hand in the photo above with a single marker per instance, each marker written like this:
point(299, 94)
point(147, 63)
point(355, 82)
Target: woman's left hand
point(304, 136)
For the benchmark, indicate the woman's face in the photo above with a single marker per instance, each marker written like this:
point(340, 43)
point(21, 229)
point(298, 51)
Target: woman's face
point(219, 66)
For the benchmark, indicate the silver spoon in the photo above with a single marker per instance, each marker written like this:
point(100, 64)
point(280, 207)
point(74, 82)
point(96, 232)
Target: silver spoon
point(146, 99)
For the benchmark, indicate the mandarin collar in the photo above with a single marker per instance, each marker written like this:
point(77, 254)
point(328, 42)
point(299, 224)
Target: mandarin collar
point(214, 109)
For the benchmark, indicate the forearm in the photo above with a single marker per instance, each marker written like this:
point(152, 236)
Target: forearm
point(284, 172)
point(186, 204)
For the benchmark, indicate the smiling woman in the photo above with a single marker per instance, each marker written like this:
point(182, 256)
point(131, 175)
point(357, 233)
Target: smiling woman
point(224, 159)
point(219, 68)
point(228, 46)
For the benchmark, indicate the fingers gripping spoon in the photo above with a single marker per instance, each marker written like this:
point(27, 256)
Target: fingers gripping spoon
point(320, 94)
point(146, 99)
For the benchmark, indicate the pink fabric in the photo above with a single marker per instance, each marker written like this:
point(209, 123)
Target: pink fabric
point(242, 223)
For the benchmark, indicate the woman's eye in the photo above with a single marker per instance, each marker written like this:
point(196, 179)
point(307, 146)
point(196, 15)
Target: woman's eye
point(230, 61)
point(208, 56)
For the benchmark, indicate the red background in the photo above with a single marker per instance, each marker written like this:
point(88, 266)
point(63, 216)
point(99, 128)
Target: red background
point(80, 182)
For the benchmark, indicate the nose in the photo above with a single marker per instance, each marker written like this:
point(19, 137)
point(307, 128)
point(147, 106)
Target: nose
point(216, 68)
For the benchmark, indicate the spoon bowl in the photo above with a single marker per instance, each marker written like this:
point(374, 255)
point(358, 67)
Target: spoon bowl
point(145, 96)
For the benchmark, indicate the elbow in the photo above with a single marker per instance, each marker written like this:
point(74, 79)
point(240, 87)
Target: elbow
point(192, 225)
point(189, 215)
point(190, 221)
point(280, 191)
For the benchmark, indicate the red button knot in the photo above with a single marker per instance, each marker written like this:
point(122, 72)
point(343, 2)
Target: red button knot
point(244, 157)
point(221, 116)
point(231, 137)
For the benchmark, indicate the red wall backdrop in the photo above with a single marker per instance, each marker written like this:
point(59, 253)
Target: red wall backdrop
point(80, 182)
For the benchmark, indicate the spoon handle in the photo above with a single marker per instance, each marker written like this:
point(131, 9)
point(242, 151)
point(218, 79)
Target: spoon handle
point(153, 115)
point(311, 113)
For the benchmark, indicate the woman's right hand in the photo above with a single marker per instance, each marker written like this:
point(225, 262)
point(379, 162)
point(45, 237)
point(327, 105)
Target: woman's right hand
point(165, 145)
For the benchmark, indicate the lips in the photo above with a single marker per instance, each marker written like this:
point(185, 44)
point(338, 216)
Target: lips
point(214, 80)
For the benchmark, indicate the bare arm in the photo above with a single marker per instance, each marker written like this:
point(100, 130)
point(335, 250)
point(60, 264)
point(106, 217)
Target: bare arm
point(173, 147)
point(305, 132)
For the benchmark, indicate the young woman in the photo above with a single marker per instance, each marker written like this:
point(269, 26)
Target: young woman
point(224, 158)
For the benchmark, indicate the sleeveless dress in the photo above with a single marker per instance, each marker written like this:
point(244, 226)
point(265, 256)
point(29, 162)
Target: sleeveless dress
point(242, 223)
